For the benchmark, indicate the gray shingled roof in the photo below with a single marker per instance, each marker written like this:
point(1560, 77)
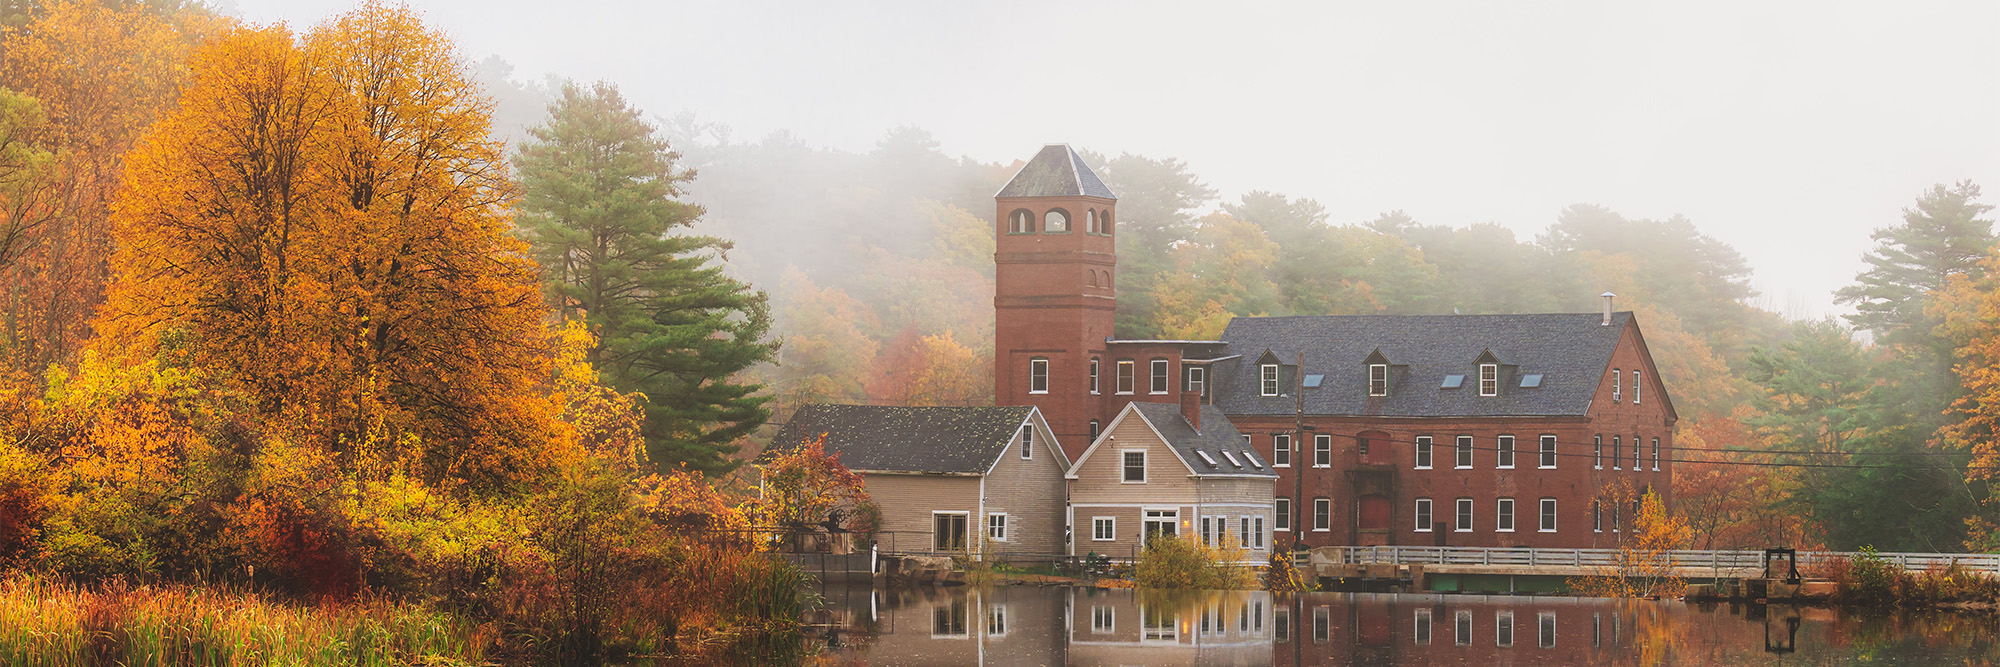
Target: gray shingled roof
point(908, 439)
point(1217, 435)
point(1057, 171)
point(1569, 350)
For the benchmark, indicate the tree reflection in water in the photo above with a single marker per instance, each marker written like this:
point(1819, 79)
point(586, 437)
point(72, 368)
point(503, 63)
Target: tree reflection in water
point(1062, 626)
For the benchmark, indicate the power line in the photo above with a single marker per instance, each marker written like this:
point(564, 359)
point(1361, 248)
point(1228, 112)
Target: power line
point(1519, 452)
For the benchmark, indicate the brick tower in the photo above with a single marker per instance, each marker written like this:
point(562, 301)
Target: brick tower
point(1053, 302)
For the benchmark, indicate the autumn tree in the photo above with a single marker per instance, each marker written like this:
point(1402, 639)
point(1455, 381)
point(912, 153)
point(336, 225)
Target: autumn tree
point(604, 214)
point(804, 486)
point(1969, 307)
point(322, 222)
point(1942, 236)
point(931, 369)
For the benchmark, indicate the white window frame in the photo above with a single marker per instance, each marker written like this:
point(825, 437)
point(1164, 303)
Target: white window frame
point(1638, 453)
point(1038, 375)
point(1617, 452)
point(1322, 451)
point(1421, 626)
point(1545, 629)
point(1244, 537)
point(1596, 516)
point(1546, 520)
point(1503, 454)
point(1197, 378)
point(1424, 515)
point(1378, 379)
point(1232, 458)
point(1597, 458)
point(1617, 387)
point(1489, 379)
point(1635, 386)
point(1503, 515)
point(1503, 629)
point(1322, 510)
point(1028, 442)
point(1285, 513)
point(1425, 457)
point(1109, 521)
point(1463, 517)
point(1109, 617)
point(1125, 466)
point(1260, 532)
point(1160, 378)
point(1281, 444)
point(1095, 364)
point(1461, 628)
point(1656, 454)
point(996, 612)
point(1461, 453)
point(1546, 455)
point(1001, 534)
point(1267, 376)
point(1126, 378)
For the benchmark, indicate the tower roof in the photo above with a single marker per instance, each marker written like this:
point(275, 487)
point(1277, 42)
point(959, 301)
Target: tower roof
point(1057, 171)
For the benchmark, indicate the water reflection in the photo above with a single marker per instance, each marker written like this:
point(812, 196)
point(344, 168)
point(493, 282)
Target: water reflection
point(1062, 626)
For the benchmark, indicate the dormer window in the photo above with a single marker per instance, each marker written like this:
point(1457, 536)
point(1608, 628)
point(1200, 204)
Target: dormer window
point(1378, 379)
point(1021, 221)
point(1268, 374)
point(1489, 379)
point(1056, 221)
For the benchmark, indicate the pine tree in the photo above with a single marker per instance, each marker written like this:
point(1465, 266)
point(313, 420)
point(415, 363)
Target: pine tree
point(602, 208)
point(1941, 237)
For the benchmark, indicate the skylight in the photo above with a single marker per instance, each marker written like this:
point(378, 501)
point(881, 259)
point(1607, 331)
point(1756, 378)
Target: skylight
point(1232, 459)
point(1453, 382)
point(1531, 380)
point(1314, 380)
point(1205, 457)
point(1253, 459)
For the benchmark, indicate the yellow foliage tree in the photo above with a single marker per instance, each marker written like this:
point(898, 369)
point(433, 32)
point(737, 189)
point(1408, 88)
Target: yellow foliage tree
point(1644, 564)
point(1970, 309)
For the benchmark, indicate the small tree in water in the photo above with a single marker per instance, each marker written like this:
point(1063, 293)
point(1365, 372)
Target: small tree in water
point(1643, 565)
point(1181, 562)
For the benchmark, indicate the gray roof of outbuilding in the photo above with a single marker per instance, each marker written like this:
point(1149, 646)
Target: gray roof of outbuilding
point(1569, 350)
point(1057, 171)
point(907, 438)
point(1217, 435)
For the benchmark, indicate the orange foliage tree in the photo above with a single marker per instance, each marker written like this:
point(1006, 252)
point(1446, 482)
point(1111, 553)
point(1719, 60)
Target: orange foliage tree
point(806, 486)
point(931, 369)
point(323, 220)
point(1970, 310)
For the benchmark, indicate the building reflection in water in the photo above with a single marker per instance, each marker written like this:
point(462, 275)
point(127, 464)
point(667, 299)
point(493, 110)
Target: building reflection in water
point(1064, 626)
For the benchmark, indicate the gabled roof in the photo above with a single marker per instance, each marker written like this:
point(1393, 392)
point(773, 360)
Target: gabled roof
point(1218, 440)
point(1057, 171)
point(1569, 350)
point(910, 439)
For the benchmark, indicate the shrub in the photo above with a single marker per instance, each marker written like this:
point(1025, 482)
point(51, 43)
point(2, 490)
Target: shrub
point(1181, 562)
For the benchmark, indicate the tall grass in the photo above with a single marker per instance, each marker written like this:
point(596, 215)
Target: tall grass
point(45, 622)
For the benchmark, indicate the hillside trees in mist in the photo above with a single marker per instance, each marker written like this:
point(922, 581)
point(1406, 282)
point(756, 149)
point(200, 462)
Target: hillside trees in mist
point(602, 207)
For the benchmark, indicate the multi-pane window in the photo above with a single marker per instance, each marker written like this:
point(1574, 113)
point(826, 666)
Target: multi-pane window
point(1268, 378)
point(1548, 524)
point(1208, 530)
point(1244, 537)
point(1503, 518)
point(1597, 452)
point(1125, 378)
point(1464, 520)
point(1159, 376)
point(1028, 441)
point(1103, 619)
point(1322, 451)
point(1259, 533)
point(1548, 451)
point(1103, 529)
point(1322, 514)
point(1135, 467)
point(1506, 452)
point(1615, 386)
point(1656, 454)
point(1378, 379)
point(1093, 374)
point(1464, 457)
point(1423, 448)
point(1422, 629)
point(1503, 628)
point(1423, 515)
point(1461, 628)
point(1636, 453)
point(1489, 379)
point(996, 527)
point(1038, 375)
point(1281, 512)
point(1197, 379)
point(1635, 386)
point(1281, 450)
point(1617, 452)
point(1596, 517)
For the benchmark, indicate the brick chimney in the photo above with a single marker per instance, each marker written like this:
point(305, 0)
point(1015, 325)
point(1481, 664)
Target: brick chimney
point(1191, 408)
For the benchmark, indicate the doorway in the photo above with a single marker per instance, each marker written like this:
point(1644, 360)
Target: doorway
point(948, 531)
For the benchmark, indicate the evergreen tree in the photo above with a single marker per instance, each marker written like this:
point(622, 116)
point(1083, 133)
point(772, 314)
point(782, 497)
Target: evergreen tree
point(1941, 237)
point(602, 209)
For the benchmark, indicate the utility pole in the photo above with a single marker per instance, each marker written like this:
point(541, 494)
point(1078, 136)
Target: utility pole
point(1298, 457)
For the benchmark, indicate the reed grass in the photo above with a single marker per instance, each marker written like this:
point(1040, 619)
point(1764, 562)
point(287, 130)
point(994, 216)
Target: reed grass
point(50, 623)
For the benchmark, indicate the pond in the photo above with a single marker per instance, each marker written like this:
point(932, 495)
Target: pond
point(1027, 625)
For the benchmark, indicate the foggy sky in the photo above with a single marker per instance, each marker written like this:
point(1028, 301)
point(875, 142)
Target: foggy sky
point(1788, 130)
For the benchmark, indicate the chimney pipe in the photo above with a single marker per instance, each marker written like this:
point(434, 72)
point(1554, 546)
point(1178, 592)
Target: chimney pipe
point(1191, 408)
point(1607, 308)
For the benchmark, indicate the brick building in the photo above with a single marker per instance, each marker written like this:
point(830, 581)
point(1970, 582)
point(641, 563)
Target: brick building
point(1467, 430)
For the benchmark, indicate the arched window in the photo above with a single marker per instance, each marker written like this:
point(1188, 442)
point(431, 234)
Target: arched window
point(1104, 223)
point(1107, 280)
point(1093, 277)
point(1056, 221)
point(1021, 221)
point(1090, 221)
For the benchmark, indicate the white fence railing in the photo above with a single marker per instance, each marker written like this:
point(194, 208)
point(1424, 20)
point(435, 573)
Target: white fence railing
point(1715, 560)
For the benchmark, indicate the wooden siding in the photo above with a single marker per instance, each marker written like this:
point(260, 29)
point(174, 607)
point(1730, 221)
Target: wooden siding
point(907, 501)
point(1031, 493)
